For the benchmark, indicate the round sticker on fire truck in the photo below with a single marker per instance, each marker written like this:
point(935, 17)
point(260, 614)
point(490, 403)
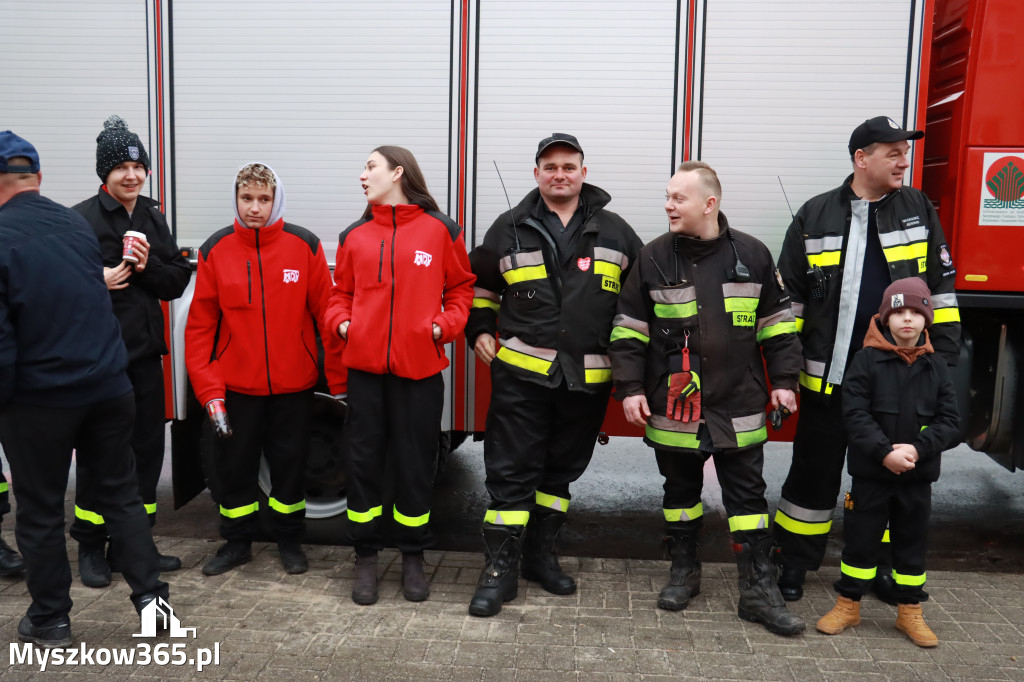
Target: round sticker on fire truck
point(583, 263)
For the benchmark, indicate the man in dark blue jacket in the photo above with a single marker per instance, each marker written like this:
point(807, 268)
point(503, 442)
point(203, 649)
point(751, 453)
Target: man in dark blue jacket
point(63, 387)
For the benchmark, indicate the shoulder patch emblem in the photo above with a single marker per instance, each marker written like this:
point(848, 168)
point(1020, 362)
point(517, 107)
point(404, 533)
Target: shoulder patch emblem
point(583, 264)
point(944, 256)
point(778, 278)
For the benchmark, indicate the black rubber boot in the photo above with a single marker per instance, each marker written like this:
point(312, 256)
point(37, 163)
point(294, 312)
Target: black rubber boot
point(884, 586)
point(364, 583)
point(682, 545)
point(499, 581)
point(415, 586)
point(540, 560)
point(11, 563)
point(791, 582)
point(760, 599)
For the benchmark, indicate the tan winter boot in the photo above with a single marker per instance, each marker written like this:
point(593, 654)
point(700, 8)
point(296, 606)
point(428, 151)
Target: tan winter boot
point(845, 614)
point(910, 621)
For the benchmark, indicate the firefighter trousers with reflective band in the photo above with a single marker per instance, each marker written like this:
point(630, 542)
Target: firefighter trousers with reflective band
point(38, 442)
point(804, 516)
point(739, 475)
point(147, 377)
point(538, 441)
point(276, 426)
point(5, 503)
point(392, 428)
point(907, 508)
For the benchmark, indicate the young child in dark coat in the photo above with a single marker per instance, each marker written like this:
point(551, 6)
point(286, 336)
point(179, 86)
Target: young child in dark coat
point(900, 411)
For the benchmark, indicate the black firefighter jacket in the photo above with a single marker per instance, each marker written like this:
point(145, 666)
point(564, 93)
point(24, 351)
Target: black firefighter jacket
point(914, 246)
point(552, 311)
point(164, 278)
point(886, 401)
point(685, 285)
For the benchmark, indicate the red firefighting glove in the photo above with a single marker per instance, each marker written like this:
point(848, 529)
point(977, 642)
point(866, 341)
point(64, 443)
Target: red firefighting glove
point(683, 389)
point(219, 418)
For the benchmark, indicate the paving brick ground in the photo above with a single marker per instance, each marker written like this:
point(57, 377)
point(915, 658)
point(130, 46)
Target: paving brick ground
point(272, 626)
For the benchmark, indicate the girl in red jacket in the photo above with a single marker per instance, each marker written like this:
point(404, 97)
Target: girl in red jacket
point(403, 288)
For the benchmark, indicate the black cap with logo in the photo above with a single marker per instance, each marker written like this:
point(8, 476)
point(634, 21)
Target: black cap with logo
point(880, 129)
point(558, 138)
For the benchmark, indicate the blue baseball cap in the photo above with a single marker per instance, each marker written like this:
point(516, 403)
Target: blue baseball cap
point(12, 146)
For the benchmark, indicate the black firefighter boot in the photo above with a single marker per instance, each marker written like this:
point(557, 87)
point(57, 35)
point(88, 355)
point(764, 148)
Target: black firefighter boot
point(682, 545)
point(760, 599)
point(540, 561)
point(884, 586)
point(499, 581)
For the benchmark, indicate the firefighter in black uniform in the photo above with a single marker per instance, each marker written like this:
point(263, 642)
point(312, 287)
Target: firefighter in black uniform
point(843, 248)
point(693, 319)
point(548, 278)
point(161, 273)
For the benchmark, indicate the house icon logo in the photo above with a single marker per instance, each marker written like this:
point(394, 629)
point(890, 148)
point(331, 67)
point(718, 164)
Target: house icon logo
point(158, 615)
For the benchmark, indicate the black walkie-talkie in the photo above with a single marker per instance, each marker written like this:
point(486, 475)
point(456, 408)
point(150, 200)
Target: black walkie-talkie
point(816, 283)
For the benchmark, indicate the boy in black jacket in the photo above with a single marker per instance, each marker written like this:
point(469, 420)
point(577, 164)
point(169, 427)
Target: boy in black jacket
point(900, 412)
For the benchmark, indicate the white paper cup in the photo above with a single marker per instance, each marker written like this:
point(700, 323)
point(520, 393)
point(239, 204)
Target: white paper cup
point(128, 252)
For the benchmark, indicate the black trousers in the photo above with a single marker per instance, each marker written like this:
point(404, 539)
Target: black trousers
point(147, 377)
point(5, 503)
point(38, 442)
point(804, 516)
point(906, 507)
point(393, 426)
point(739, 475)
point(276, 427)
point(538, 441)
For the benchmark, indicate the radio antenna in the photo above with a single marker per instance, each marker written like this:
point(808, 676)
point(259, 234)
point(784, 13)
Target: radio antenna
point(786, 197)
point(511, 210)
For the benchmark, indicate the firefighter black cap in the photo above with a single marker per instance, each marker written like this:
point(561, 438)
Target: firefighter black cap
point(880, 129)
point(557, 138)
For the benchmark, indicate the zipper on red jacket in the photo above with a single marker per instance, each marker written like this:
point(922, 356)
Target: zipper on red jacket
point(391, 316)
point(248, 277)
point(380, 263)
point(263, 301)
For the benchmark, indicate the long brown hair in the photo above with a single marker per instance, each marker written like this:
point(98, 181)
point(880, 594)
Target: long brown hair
point(414, 185)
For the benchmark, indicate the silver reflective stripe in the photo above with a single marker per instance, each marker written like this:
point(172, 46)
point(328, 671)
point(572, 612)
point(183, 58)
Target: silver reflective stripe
point(684, 295)
point(512, 343)
point(749, 423)
point(853, 269)
point(663, 423)
point(814, 368)
point(632, 323)
point(804, 514)
point(914, 234)
point(820, 244)
point(781, 316)
point(797, 308)
point(596, 362)
point(524, 259)
point(612, 256)
point(741, 290)
point(480, 292)
point(944, 301)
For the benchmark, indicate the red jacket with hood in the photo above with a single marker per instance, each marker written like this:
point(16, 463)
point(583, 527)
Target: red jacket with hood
point(260, 294)
point(398, 273)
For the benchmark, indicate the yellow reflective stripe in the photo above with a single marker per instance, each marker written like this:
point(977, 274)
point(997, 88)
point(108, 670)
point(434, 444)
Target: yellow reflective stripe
point(411, 521)
point(506, 518)
point(691, 514)
point(801, 527)
point(486, 303)
point(597, 376)
point(525, 274)
point(858, 573)
point(283, 508)
point(86, 515)
point(748, 522)
point(942, 315)
point(906, 252)
point(824, 258)
point(813, 383)
point(364, 517)
point(150, 508)
point(3, 487)
point(239, 512)
point(776, 329)
point(672, 439)
point(885, 535)
point(551, 501)
point(627, 333)
point(607, 269)
point(799, 324)
point(910, 580)
point(523, 360)
point(737, 304)
point(675, 311)
point(745, 438)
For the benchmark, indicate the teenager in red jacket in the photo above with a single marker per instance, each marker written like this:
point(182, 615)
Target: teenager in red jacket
point(250, 348)
point(402, 291)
